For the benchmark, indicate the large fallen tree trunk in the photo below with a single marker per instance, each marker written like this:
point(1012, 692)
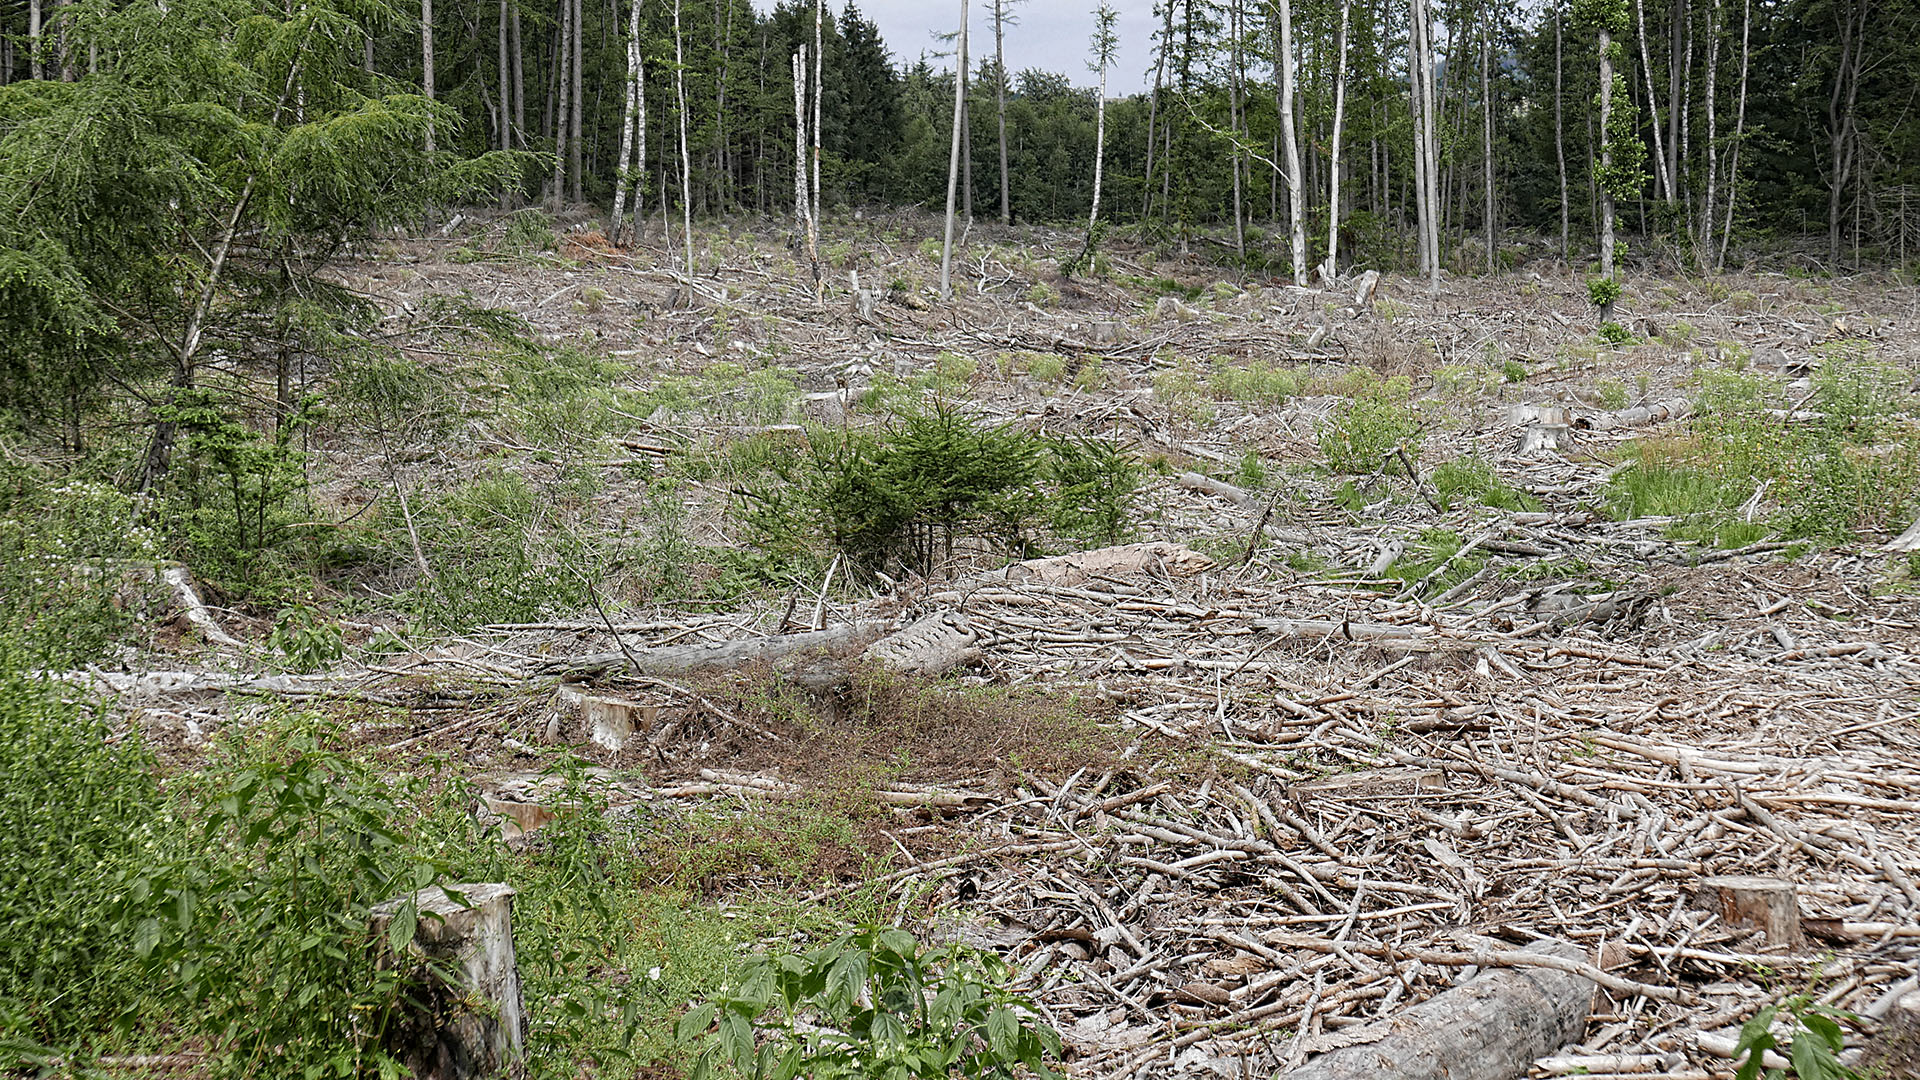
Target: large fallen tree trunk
point(679, 659)
point(1491, 1027)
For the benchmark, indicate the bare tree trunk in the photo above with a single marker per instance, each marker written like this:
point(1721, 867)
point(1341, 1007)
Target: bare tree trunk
point(1704, 243)
point(953, 157)
point(1416, 91)
point(1000, 104)
point(686, 163)
point(1606, 153)
point(1840, 116)
point(426, 59)
point(34, 22)
point(1677, 96)
point(1560, 137)
point(1663, 181)
point(966, 146)
point(1739, 132)
point(819, 91)
point(623, 177)
point(1295, 205)
point(1233, 121)
point(1428, 150)
point(506, 88)
point(1331, 269)
point(561, 55)
point(1153, 112)
point(519, 85)
point(575, 144)
point(801, 208)
point(1486, 132)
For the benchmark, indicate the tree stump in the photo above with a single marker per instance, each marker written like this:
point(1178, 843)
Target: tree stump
point(1765, 904)
point(1894, 1052)
point(580, 714)
point(476, 1027)
point(1490, 1027)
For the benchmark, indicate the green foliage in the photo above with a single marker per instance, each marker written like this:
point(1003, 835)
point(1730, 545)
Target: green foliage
point(905, 494)
point(1817, 1041)
point(1473, 478)
point(1376, 421)
point(1257, 382)
point(1514, 371)
point(1185, 394)
point(241, 497)
point(72, 556)
point(1854, 465)
point(83, 812)
point(1603, 292)
point(876, 1004)
point(1096, 484)
point(304, 640)
point(261, 918)
point(1613, 394)
point(1614, 334)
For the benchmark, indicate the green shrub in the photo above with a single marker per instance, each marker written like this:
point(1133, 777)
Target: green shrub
point(84, 814)
point(1377, 420)
point(905, 494)
point(1614, 334)
point(69, 551)
point(872, 1004)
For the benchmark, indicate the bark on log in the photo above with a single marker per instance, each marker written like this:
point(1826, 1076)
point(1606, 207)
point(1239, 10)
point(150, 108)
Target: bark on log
point(1907, 541)
point(476, 1028)
point(195, 611)
point(679, 659)
point(1766, 904)
point(930, 647)
point(1894, 1052)
point(1658, 412)
point(1490, 1028)
point(1363, 296)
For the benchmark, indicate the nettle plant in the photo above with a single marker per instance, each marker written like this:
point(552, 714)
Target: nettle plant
point(871, 1004)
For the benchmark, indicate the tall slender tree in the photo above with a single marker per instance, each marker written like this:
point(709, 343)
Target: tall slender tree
point(686, 161)
point(1331, 268)
point(1002, 18)
point(426, 60)
point(1283, 63)
point(953, 158)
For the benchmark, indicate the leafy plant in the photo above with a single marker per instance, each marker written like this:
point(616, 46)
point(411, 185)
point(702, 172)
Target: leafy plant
point(1817, 1041)
point(1614, 334)
point(1096, 484)
point(305, 640)
point(1376, 421)
point(1603, 292)
point(876, 1004)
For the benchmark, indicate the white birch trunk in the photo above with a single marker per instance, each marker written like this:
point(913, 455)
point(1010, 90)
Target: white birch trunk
point(1290, 138)
point(953, 156)
point(1560, 140)
point(686, 163)
point(1331, 270)
point(801, 209)
point(622, 178)
point(561, 86)
point(1705, 243)
point(819, 92)
point(1662, 179)
point(1606, 153)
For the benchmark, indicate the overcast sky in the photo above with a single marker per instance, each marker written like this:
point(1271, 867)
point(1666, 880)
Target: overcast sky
point(1052, 35)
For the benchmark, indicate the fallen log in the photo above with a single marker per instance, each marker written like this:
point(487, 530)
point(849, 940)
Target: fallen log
point(680, 659)
point(1658, 412)
point(930, 647)
point(1492, 1027)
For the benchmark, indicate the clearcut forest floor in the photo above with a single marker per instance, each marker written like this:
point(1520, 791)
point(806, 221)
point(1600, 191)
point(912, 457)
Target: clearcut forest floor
point(1226, 799)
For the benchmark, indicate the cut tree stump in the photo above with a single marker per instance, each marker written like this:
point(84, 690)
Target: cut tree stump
point(1766, 904)
point(474, 1028)
point(1542, 427)
point(1491, 1027)
point(580, 714)
point(1894, 1051)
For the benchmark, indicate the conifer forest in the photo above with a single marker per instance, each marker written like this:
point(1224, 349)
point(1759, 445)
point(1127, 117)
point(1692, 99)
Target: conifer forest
point(657, 539)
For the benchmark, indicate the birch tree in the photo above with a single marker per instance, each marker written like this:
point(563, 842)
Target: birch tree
point(558, 192)
point(426, 60)
point(1426, 157)
point(953, 158)
point(1284, 68)
point(1105, 44)
point(686, 162)
point(1330, 270)
point(631, 166)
